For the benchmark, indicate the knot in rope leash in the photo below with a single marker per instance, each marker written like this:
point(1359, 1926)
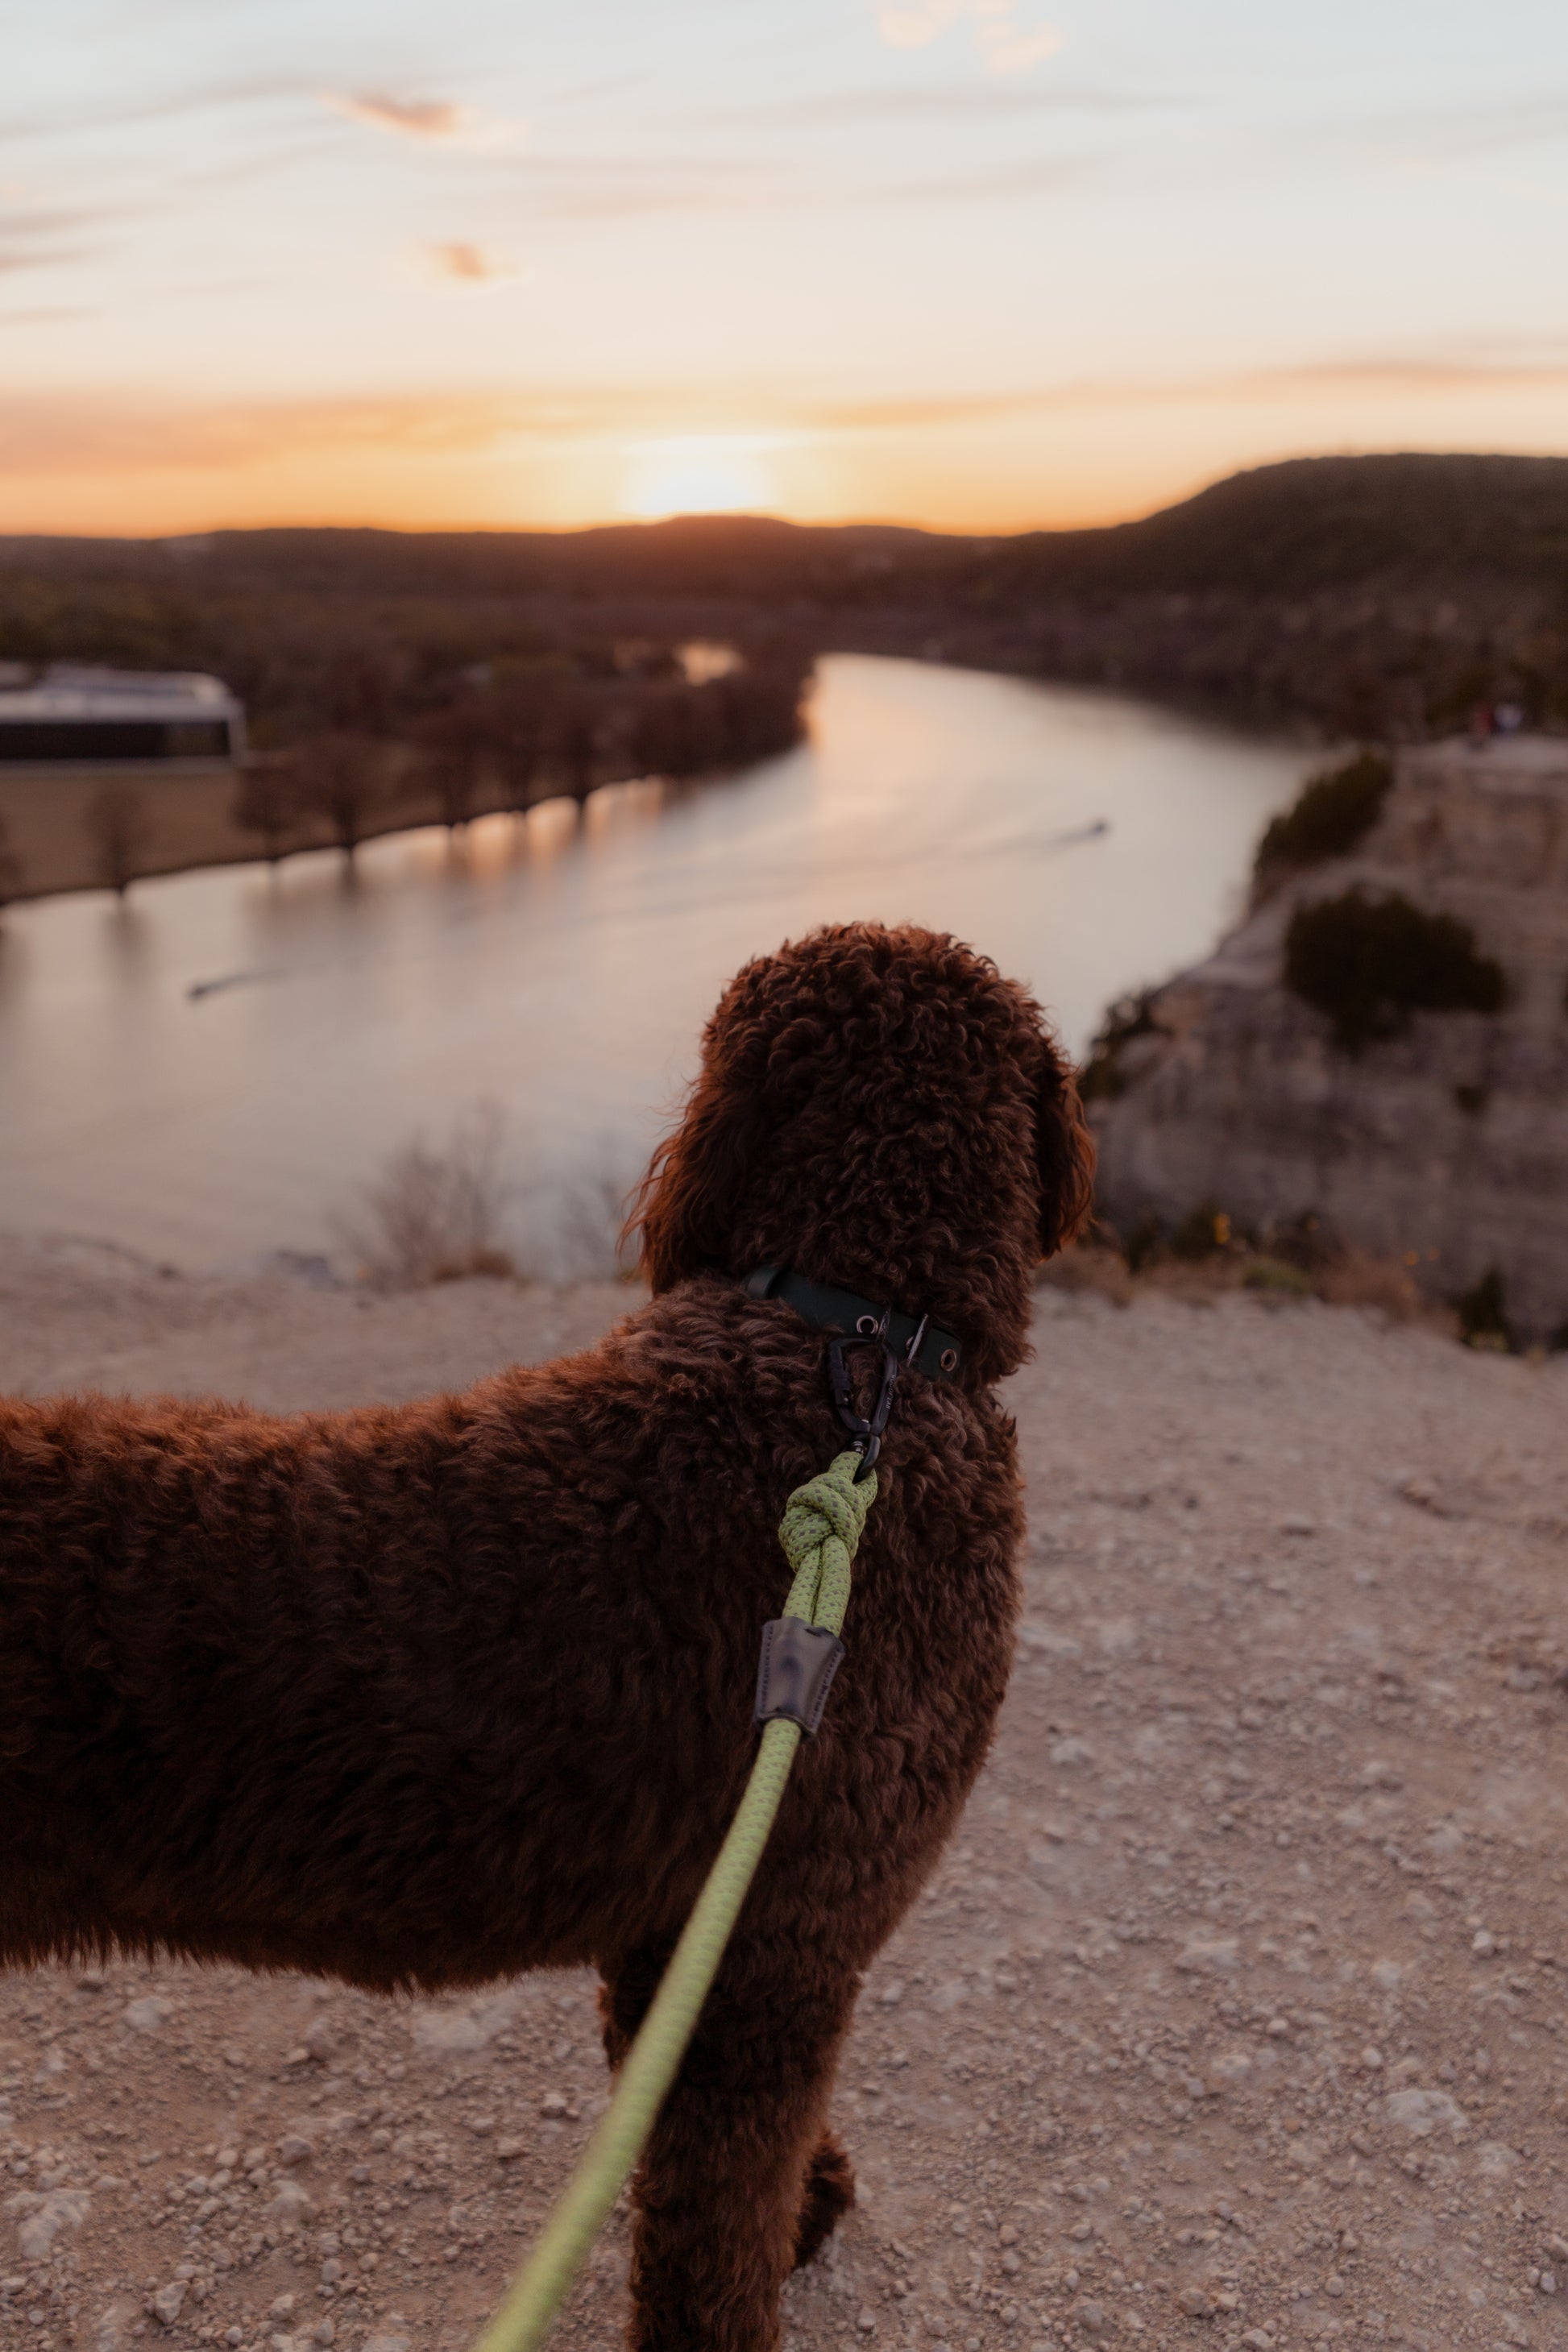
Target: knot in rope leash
point(822, 1525)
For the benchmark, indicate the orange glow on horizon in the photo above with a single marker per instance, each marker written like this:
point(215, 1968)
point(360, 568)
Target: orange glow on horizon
point(697, 473)
point(490, 462)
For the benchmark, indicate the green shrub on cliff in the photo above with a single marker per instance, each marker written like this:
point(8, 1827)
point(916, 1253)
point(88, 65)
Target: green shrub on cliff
point(1332, 813)
point(1483, 1316)
point(1369, 963)
point(1276, 1277)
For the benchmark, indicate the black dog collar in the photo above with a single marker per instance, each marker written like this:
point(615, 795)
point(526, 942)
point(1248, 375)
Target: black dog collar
point(842, 1310)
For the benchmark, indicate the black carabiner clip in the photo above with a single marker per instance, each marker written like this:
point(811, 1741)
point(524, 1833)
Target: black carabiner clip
point(866, 1429)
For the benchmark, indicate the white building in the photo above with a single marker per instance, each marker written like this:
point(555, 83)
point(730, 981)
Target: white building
point(109, 717)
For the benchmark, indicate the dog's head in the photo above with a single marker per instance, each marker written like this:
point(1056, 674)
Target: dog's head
point(879, 1109)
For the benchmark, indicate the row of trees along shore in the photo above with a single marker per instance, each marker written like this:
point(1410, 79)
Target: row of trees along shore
point(412, 725)
point(512, 737)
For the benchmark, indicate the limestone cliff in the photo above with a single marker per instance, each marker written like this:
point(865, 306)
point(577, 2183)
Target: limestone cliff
point(1446, 1143)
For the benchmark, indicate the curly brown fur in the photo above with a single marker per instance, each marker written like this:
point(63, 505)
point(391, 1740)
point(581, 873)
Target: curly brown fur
point(829, 2194)
point(430, 1696)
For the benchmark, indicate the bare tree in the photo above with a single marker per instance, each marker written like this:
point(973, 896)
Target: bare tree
point(343, 778)
point(577, 748)
point(453, 742)
point(454, 776)
point(674, 733)
point(517, 736)
point(267, 803)
point(10, 867)
point(116, 818)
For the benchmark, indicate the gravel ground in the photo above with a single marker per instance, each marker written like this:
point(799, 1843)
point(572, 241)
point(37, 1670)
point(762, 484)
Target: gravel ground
point(1232, 2019)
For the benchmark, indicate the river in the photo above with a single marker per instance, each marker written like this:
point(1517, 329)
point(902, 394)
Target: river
point(209, 1072)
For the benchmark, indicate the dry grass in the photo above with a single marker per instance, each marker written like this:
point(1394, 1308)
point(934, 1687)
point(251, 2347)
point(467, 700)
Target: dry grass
point(1345, 1277)
point(1092, 1268)
point(1359, 1279)
point(435, 1215)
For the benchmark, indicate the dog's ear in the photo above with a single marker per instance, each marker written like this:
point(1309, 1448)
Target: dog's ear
point(1064, 1154)
point(683, 1214)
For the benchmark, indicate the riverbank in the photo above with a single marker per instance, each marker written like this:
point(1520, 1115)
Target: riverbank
point(1232, 2018)
point(83, 829)
point(473, 745)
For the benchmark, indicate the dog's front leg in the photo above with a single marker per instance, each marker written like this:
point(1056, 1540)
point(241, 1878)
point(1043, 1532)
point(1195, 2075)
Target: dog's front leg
point(726, 2192)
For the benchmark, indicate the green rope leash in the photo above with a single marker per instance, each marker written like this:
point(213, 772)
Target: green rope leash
point(822, 1526)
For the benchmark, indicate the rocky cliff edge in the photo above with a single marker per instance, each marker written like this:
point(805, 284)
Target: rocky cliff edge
point(1446, 1141)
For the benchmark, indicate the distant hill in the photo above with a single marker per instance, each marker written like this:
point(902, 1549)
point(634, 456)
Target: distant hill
point(1327, 522)
point(1363, 595)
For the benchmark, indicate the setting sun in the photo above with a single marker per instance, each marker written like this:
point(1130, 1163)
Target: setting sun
point(699, 473)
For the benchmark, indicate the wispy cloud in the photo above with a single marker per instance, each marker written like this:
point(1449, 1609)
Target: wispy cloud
point(42, 433)
point(1006, 46)
point(1447, 134)
point(436, 121)
point(47, 314)
point(1394, 374)
point(1045, 176)
point(592, 189)
point(461, 263)
point(51, 435)
point(156, 106)
point(1411, 373)
point(42, 238)
point(967, 101)
point(406, 118)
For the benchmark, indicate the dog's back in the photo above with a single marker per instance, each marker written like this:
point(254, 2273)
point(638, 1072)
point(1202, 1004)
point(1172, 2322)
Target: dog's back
point(440, 1694)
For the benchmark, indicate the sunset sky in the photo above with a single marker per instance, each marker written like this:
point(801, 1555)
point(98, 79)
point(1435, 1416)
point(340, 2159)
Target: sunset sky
point(972, 263)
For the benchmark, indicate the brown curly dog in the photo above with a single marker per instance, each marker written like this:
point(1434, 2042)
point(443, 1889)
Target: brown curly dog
point(429, 1695)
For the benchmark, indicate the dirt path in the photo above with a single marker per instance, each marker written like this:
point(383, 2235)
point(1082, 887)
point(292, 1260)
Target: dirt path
point(1233, 2018)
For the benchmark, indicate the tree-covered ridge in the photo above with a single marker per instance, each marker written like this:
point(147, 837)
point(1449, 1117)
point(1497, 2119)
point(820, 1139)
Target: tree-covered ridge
point(1372, 596)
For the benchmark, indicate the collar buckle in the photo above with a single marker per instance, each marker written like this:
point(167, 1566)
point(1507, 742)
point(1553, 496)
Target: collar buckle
point(925, 1349)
